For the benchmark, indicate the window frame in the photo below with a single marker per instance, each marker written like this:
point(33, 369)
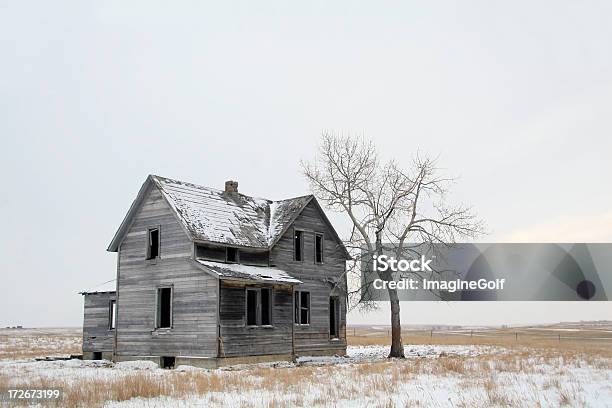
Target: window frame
point(112, 314)
point(337, 307)
point(149, 246)
point(158, 307)
point(322, 236)
point(301, 232)
point(270, 307)
point(227, 249)
point(246, 305)
point(258, 308)
point(297, 308)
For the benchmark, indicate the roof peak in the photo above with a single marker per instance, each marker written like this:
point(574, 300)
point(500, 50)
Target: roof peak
point(188, 183)
point(212, 215)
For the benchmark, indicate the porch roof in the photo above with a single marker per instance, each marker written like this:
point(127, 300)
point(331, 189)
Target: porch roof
point(229, 271)
point(105, 287)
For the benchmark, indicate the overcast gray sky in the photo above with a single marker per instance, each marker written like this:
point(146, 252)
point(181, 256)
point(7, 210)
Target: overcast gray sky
point(515, 97)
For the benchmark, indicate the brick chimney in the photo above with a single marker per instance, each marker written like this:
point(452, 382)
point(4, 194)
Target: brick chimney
point(231, 186)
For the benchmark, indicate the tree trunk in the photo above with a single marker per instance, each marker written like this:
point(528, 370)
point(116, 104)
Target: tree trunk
point(397, 347)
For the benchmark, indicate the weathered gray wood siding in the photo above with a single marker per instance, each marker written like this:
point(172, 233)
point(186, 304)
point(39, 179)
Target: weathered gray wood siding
point(97, 335)
point(238, 339)
point(194, 305)
point(314, 338)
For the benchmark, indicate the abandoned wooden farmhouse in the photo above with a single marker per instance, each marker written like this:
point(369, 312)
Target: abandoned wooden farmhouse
point(209, 277)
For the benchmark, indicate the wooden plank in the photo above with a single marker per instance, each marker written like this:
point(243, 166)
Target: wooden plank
point(316, 279)
point(97, 335)
point(238, 339)
point(194, 306)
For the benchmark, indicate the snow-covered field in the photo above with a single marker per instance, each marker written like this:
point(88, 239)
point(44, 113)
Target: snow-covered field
point(430, 376)
point(444, 375)
point(75, 370)
point(20, 343)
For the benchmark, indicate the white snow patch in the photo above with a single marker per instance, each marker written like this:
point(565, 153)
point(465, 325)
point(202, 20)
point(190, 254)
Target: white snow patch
point(137, 365)
point(188, 368)
point(357, 354)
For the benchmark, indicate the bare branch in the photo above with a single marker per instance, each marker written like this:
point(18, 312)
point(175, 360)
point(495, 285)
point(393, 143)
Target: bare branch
point(384, 202)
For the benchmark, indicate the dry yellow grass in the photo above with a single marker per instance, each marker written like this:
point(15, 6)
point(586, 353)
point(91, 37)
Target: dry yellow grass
point(31, 343)
point(598, 344)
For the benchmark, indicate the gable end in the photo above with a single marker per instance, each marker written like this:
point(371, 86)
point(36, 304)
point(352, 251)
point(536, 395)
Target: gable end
point(325, 220)
point(143, 193)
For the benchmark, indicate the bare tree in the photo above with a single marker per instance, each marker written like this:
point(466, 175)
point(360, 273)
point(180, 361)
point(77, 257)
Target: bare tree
point(386, 204)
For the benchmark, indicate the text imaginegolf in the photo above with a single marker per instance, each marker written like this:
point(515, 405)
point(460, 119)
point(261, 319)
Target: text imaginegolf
point(440, 285)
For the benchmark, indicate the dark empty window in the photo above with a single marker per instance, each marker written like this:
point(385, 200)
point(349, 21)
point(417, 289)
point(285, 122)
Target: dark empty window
point(254, 258)
point(251, 307)
point(298, 245)
point(231, 254)
point(266, 307)
point(168, 362)
point(212, 253)
point(302, 307)
point(319, 248)
point(296, 307)
point(164, 308)
point(259, 307)
point(112, 314)
point(305, 307)
point(334, 316)
point(153, 245)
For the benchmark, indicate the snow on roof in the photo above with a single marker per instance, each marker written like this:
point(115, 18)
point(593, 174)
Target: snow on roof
point(230, 218)
point(282, 214)
point(246, 272)
point(105, 287)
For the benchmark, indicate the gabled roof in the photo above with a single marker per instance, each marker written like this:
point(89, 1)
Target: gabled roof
point(239, 272)
point(211, 215)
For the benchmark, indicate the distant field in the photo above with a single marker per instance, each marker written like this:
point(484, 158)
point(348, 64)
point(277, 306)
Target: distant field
point(544, 366)
point(30, 343)
point(592, 336)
